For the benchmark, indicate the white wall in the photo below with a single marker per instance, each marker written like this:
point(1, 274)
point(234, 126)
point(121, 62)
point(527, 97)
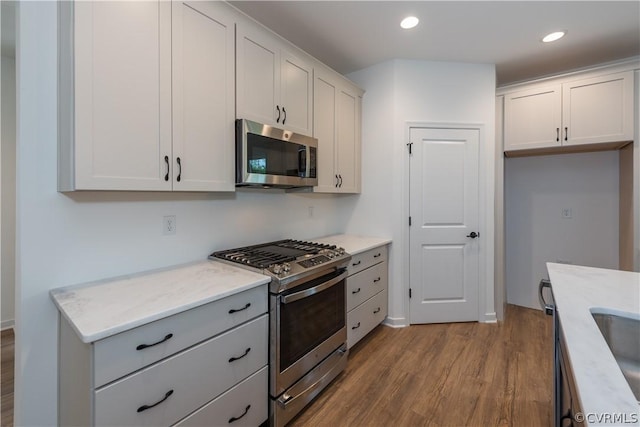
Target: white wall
point(537, 189)
point(68, 239)
point(7, 192)
point(402, 91)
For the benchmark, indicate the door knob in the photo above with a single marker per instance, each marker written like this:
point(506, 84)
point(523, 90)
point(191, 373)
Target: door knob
point(473, 235)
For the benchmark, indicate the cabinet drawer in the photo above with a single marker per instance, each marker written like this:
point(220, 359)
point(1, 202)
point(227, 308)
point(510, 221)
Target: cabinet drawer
point(243, 405)
point(186, 381)
point(118, 355)
point(365, 317)
point(366, 259)
point(365, 284)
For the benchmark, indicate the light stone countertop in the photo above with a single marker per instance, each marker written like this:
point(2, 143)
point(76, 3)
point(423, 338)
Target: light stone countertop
point(98, 310)
point(579, 291)
point(353, 244)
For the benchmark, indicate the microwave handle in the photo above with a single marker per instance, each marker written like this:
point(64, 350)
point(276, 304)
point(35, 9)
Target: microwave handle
point(302, 162)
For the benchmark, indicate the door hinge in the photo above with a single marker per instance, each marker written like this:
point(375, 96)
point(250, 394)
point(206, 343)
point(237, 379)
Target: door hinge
point(410, 144)
point(409, 292)
point(409, 221)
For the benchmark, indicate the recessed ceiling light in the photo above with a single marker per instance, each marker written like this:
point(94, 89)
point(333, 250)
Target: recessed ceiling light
point(409, 22)
point(553, 36)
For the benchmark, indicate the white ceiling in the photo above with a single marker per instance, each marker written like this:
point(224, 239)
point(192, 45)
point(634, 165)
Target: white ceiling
point(351, 35)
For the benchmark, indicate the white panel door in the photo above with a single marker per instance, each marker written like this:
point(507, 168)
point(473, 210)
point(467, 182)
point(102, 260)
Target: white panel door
point(444, 257)
point(533, 118)
point(122, 95)
point(296, 92)
point(203, 97)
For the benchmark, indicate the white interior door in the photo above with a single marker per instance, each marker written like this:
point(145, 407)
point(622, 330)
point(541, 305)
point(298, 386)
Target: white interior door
point(444, 255)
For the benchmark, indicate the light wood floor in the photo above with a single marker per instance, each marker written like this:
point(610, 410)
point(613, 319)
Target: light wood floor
point(6, 377)
point(460, 374)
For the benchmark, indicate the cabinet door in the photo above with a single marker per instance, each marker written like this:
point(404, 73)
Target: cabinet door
point(532, 118)
point(296, 79)
point(122, 95)
point(325, 93)
point(597, 110)
point(203, 97)
point(258, 77)
point(348, 142)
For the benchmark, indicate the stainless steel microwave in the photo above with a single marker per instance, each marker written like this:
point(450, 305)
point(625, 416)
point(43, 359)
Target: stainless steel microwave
point(270, 157)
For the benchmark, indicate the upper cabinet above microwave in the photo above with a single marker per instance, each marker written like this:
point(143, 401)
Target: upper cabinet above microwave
point(273, 86)
point(146, 96)
point(570, 113)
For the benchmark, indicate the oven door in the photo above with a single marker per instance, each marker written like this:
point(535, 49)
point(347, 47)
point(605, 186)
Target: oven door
point(307, 325)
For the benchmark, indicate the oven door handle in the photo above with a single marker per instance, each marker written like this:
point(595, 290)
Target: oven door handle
point(311, 291)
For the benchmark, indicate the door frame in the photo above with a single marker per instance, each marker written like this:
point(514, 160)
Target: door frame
point(486, 306)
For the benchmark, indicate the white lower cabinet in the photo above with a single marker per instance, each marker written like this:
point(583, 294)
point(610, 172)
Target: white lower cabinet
point(367, 293)
point(186, 376)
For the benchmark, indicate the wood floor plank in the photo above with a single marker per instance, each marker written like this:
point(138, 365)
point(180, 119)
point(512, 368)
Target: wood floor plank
point(459, 374)
point(7, 345)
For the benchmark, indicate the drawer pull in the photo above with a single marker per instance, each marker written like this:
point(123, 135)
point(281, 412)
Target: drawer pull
point(377, 310)
point(145, 407)
point(376, 280)
point(233, 359)
point(356, 263)
point(143, 346)
point(377, 255)
point(356, 327)
point(234, 419)
point(356, 291)
point(235, 310)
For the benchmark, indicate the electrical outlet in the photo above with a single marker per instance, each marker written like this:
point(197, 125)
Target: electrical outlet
point(566, 213)
point(169, 225)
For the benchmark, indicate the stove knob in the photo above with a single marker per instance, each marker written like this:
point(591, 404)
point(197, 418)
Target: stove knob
point(331, 254)
point(277, 269)
point(340, 251)
point(286, 267)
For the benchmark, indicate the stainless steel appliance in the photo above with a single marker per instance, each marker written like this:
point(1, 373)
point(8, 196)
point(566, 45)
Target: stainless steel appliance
point(271, 157)
point(307, 310)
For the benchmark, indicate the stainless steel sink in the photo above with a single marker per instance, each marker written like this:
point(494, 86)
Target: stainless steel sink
point(622, 334)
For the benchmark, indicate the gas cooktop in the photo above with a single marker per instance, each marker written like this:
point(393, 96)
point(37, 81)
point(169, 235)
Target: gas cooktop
point(285, 261)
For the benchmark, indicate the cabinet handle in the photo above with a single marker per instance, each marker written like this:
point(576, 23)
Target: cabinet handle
point(234, 419)
point(233, 359)
point(235, 310)
point(166, 160)
point(337, 181)
point(340, 180)
point(566, 133)
point(143, 346)
point(179, 169)
point(145, 407)
point(376, 311)
point(278, 109)
point(557, 134)
point(356, 263)
point(356, 327)
point(376, 280)
point(377, 255)
point(356, 291)
point(285, 115)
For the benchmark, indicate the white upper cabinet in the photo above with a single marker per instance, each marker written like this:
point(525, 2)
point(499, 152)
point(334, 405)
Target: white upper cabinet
point(594, 110)
point(337, 122)
point(273, 86)
point(598, 109)
point(203, 97)
point(117, 80)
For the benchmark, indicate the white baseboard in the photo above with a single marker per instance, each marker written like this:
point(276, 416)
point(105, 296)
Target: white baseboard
point(7, 324)
point(489, 318)
point(395, 322)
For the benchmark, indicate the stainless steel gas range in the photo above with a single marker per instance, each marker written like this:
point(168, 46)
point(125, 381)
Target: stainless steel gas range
point(307, 312)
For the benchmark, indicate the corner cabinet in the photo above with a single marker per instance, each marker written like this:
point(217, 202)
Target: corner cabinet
point(274, 86)
point(145, 96)
point(337, 126)
point(594, 110)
